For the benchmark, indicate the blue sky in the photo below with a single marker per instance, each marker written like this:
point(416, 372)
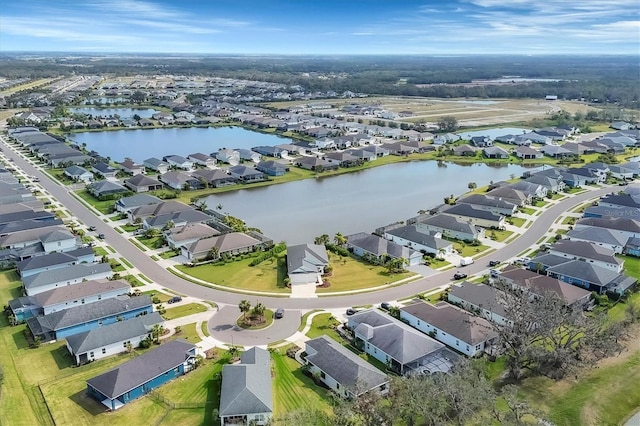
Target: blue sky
point(434, 27)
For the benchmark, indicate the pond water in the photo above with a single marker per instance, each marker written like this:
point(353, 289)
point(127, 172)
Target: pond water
point(141, 144)
point(106, 100)
point(299, 211)
point(109, 112)
point(494, 133)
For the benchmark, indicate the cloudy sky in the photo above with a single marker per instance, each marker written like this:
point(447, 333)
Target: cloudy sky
point(438, 27)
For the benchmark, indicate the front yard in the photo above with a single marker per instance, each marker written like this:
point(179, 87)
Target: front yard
point(466, 250)
point(183, 311)
point(105, 207)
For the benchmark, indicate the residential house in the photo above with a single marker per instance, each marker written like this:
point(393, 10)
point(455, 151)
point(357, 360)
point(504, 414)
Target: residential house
point(112, 339)
point(188, 234)
point(363, 155)
point(527, 153)
point(481, 141)
point(131, 167)
point(137, 377)
point(410, 236)
point(379, 250)
point(246, 174)
point(632, 247)
point(222, 245)
point(400, 148)
point(202, 160)
point(229, 156)
point(78, 174)
point(612, 211)
point(126, 204)
point(452, 326)
point(399, 346)
point(622, 173)
point(246, 392)
point(477, 217)
point(141, 183)
point(343, 159)
point(165, 207)
point(315, 164)
point(248, 155)
point(592, 277)
point(180, 218)
point(464, 150)
point(555, 151)
point(185, 115)
point(271, 151)
point(540, 284)
point(511, 195)
point(481, 299)
point(599, 236)
point(272, 168)
point(587, 252)
point(449, 227)
point(341, 370)
point(620, 226)
point(156, 164)
point(104, 170)
point(551, 184)
point(55, 260)
point(621, 125)
point(495, 152)
point(105, 188)
point(181, 180)
point(178, 161)
point(72, 274)
point(379, 151)
point(215, 178)
point(306, 263)
point(489, 203)
point(66, 297)
point(67, 322)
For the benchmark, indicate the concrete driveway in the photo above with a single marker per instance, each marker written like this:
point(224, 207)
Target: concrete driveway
point(223, 327)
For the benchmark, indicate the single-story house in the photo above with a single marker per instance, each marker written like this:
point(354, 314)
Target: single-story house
point(464, 150)
point(341, 370)
point(142, 374)
point(377, 150)
point(156, 164)
point(495, 152)
point(126, 204)
point(226, 244)
point(343, 159)
point(527, 153)
point(481, 141)
point(452, 326)
point(399, 346)
point(165, 207)
point(180, 218)
point(178, 161)
point(248, 155)
point(489, 203)
point(511, 195)
point(599, 236)
point(72, 274)
point(481, 299)
point(587, 252)
point(229, 156)
point(202, 159)
point(104, 170)
point(270, 151)
point(215, 178)
point(60, 324)
point(379, 250)
point(306, 263)
point(78, 174)
point(142, 183)
point(315, 164)
point(111, 339)
point(131, 167)
point(592, 277)
point(450, 227)
point(55, 260)
point(246, 174)
point(272, 168)
point(181, 180)
point(555, 151)
point(410, 236)
point(477, 217)
point(105, 188)
point(621, 226)
point(632, 248)
point(246, 392)
point(189, 234)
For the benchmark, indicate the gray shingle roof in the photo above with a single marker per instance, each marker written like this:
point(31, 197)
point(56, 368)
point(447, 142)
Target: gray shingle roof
point(411, 233)
point(379, 246)
point(344, 366)
point(619, 223)
point(246, 387)
point(113, 333)
point(480, 295)
point(485, 200)
point(540, 284)
point(583, 249)
point(306, 258)
point(89, 312)
point(51, 259)
point(138, 200)
point(585, 271)
point(597, 235)
point(80, 290)
point(141, 369)
point(65, 274)
point(449, 222)
point(468, 211)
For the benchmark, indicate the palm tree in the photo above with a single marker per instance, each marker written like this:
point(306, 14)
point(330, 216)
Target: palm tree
point(340, 239)
point(322, 240)
point(244, 306)
point(259, 310)
point(156, 332)
point(212, 254)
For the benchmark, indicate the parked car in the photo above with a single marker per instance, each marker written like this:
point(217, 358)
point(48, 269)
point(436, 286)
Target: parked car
point(279, 313)
point(385, 305)
point(351, 311)
point(493, 273)
point(459, 276)
point(494, 262)
point(175, 299)
point(92, 228)
point(35, 179)
point(101, 236)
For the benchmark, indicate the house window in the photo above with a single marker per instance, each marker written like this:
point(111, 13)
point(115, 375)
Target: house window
point(418, 322)
point(99, 297)
point(59, 243)
point(91, 354)
point(458, 344)
point(467, 348)
point(322, 375)
point(104, 351)
point(82, 301)
point(375, 351)
point(337, 385)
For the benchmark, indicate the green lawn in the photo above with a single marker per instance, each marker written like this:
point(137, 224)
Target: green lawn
point(569, 220)
point(324, 324)
point(204, 328)
point(517, 221)
point(183, 311)
point(267, 318)
point(351, 273)
point(499, 235)
point(469, 250)
point(130, 228)
point(190, 416)
point(162, 296)
point(169, 254)
point(153, 242)
point(267, 276)
point(116, 266)
point(132, 280)
point(527, 210)
point(631, 266)
point(105, 207)
point(99, 251)
point(438, 263)
point(292, 390)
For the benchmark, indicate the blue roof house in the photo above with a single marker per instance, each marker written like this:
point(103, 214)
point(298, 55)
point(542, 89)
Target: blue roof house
point(139, 376)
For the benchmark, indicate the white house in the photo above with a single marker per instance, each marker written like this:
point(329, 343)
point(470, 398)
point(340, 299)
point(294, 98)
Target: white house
point(179, 162)
point(78, 173)
point(411, 237)
point(306, 263)
point(71, 275)
point(202, 160)
point(452, 326)
point(229, 156)
point(85, 292)
point(479, 298)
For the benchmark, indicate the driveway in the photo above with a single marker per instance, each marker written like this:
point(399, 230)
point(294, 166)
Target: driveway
point(223, 327)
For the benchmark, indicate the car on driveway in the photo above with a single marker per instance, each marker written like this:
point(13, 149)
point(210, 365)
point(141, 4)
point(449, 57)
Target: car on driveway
point(494, 262)
point(175, 299)
point(459, 276)
point(351, 311)
point(385, 305)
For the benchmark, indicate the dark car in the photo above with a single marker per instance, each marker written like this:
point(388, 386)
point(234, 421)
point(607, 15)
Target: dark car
point(459, 276)
point(351, 311)
point(101, 236)
point(92, 228)
point(494, 262)
point(279, 313)
point(385, 305)
point(175, 299)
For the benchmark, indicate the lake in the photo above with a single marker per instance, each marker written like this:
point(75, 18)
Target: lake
point(141, 144)
point(297, 212)
point(106, 100)
point(494, 133)
point(110, 112)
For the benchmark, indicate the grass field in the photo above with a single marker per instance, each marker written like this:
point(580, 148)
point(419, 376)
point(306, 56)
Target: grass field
point(153, 242)
point(189, 333)
point(183, 311)
point(350, 273)
point(528, 210)
point(631, 266)
point(163, 297)
point(517, 221)
point(468, 250)
point(267, 276)
point(292, 390)
point(323, 324)
point(499, 235)
point(105, 207)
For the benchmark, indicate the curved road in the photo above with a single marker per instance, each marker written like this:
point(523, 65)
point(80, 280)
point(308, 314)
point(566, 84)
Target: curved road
point(160, 275)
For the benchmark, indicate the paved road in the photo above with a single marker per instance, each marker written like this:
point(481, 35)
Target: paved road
point(165, 278)
point(223, 327)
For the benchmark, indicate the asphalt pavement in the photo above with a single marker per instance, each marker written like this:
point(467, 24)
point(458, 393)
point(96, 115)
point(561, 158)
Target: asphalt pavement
point(157, 273)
